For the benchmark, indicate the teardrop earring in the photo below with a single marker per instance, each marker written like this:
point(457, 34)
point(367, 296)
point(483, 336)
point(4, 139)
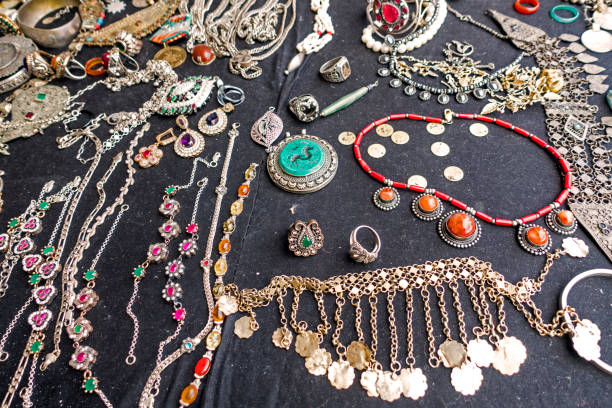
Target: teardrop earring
point(190, 143)
point(215, 121)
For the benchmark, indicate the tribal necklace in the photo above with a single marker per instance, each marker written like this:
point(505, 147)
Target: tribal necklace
point(432, 284)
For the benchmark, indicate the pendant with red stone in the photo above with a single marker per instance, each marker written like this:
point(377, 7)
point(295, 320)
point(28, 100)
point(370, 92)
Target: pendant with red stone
point(202, 54)
point(172, 292)
point(427, 207)
point(157, 252)
point(562, 221)
point(83, 358)
point(386, 198)
point(169, 207)
point(148, 156)
point(86, 299)
point(534, 239)
point(459, 229)
point(169, 230)
point(175, 269)
point(390, 15)
point(188, 247)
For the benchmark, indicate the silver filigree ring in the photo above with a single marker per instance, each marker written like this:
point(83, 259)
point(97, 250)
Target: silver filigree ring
point(336, 70)
point(304, 107)
point(358, 252)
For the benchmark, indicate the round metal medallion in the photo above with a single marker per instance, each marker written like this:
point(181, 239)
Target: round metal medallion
point(425, 95)
point(302, 164)
point(384, 130)
point(440, 149)
point(435, 128)
point(384, 72)
point(597, 40)
point(443, 99)
point(417, 180)
point(479, 129)
point(395, 83)
point(453, 173)
point(346, 138)
point(376, 150)
point(400, 137)
point(174, 55)
point(410, 90)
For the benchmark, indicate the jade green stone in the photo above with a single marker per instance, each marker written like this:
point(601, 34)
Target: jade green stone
point(13, 223)
point(43, 205)
point(36, 347)
point(78, 328)
point(90, 385)
point(48, 250)
point(301, 157)
point(34, 279)
point(306, 242)
point(170, 190)
point(138, 272)
point(90, 275)
point(41, 96)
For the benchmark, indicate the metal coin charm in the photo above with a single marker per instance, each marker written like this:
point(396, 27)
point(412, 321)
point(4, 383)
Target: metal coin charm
point(400, 137)
point(377, 150)
point(173, 55)
point(479, 129)
point(302, 164)
point(597, 40)
point(305, 239)
point(509, 355)
point(417, 180)
point(453, 173)
point(435, 128)
point(346, 138)
point(384, 130)
point(440, 149)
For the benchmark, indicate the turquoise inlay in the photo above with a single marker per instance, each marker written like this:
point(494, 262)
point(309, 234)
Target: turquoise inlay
point(301, 157)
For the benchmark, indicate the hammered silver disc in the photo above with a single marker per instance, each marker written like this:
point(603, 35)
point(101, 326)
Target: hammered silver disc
point(479, 129)
point(453, 173)
point(347, 138)
point(400, 137)
point(597, 40)
point(384, 130)
point(440, 149)
point(417, 180)
point(435, 128)
point(376, 150)
point(603, 19)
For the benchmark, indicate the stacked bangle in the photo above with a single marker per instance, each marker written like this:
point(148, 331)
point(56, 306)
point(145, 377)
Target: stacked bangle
point(95, 67)
point(526, 6)
point(565, 7)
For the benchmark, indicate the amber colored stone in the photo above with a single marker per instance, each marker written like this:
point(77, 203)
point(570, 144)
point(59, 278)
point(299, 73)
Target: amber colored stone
point(565, 218)
point(236, 208)
point(537, 236)
point(217, 315)
point(224, 246)
point(213, 340)
point(220, 267)
point(386, 194)
point(202, 367)
point(202, 54)
point(428, 203)
point(243, 190)
point(189, 394)
point(461, 225)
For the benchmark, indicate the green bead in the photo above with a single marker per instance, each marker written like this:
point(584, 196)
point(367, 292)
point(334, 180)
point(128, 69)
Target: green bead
point(78, 328)
point(138, 272)
point(301, 157)
point(90, 275)
point(36, 347)
point(43, 205)
point(48, 250)
point(90, 385)
point(170, 190)
point(306, 242)
point(13, 222)
point(34, 279)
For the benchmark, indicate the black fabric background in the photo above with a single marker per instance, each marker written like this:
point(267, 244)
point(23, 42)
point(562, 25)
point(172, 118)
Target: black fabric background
point(504, 175)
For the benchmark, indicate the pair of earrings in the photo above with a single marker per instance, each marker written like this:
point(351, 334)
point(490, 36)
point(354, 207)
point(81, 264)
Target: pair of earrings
point(190, 143)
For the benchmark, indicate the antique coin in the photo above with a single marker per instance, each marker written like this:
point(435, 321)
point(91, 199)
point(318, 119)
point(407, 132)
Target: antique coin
point(466, 379)
point(479, 129)
point(173, 55)
point(384, 130)
point(417, 180)
point(306, 343)
point(341, 375)
point(140, 3)
point(400, 137)
point(242, 327)
point(452, 353)
point(604, 19)
point(376, 150)
point(480, 352)
point(346, 138)
point(435, 128)
point(453, 173)
point(440, 149)
point(389, 386)
point(414, 383)
point(318, 362)
point(368, 382)
point(597, 40)
point(509, 355)
point(282, 338)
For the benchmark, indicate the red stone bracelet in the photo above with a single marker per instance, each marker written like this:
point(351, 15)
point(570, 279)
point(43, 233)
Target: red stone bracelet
point(567, 174)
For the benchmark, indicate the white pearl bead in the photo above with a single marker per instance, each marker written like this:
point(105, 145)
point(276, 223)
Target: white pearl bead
point(410, 46)
point(371, 43)
point(377, 46)
point(401, 49)
point(385, 49)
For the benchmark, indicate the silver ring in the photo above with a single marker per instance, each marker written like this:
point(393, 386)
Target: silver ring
point(336, 70)
point(230, 94)
point(304, 107)
point(72, 63)
point(127, 43)
point(358, 252)
point(116, 67)
point(607, 368)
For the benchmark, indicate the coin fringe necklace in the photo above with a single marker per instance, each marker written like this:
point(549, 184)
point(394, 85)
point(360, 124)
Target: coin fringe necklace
point(431, 282)
point(151, 388)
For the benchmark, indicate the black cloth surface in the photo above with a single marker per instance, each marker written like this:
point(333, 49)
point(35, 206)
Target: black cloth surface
point(505, 176)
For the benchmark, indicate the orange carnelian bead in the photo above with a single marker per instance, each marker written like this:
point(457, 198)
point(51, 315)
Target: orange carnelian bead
point(565, 218)
point(386, 194)
point(243, 190)
point(224, 246)
point(461, 225)
point(217, 315)
point(537, 236)
point(428, 203)
point(189, 394)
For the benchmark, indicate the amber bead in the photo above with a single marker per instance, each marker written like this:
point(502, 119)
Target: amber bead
point(461, 225)
point(236, 207)
point(220, 267)
point(202, 54)
point(565, 218)
point(189, 394)
point(224, 246)
point(217, 315)
point(386, 194)
point(537, 236)
point(243, 190)
point(428, 203)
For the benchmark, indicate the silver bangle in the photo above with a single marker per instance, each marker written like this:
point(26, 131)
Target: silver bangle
point(585, 334)
point(14, 81)
point(13, 49)
point(33, 11)
point(358, 252)
point(336, 70)
point(304, 107)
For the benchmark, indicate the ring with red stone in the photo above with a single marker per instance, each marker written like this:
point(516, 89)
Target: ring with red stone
point(386, 198)
point(534, 239)
point(562, 221)
point(459, 229)
point(427, 207)
point(202, 54)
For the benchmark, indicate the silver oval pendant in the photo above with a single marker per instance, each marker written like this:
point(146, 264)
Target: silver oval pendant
point(597, 40)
